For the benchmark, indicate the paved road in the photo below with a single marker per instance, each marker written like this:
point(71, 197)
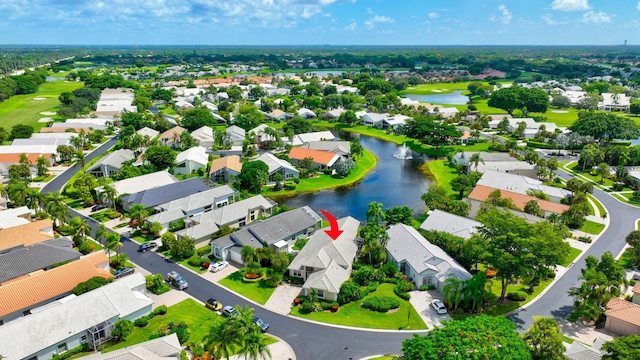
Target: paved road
point(555, 302)
point(308, 340)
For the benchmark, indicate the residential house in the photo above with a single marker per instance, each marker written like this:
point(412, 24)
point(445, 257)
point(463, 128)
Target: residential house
point(614, 102)
point(341, 148)
point(211, 107)
point(278, 166)
point(41, 256)
point(27, 234)
point(115, 101)
point(222, 169)
point(374, 119)
point(41, 141)
point(165, 193)
point(141, 183)
point(201, 226)
point(171, 137)
point(63, 135)
point(203, 136)
point(325, 263)
point(87, 126)
point(236, 135)
point(20, 296)
point(260, 136)
point(301, 139)
point(148, 132)
point(306, 114)
point(191, 160)
point(503, 162)
point(480, 193)
point(423, 262)
point(395, 122)
point(457, 225)
point(580, 351)
point(14, 217)
point(85, 319)
point(333, 114)
point(279, 232)
point(623, 317)
point(636, 293)
point(522, 185)
point(278, 114)
point(183, 105)
point(10, 154)
point(321, 159)
point(165, 348)
point(111, 163)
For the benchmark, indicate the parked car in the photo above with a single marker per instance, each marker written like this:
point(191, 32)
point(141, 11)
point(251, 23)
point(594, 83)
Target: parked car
point(438, 306)
point(636, 276)
point(123, 272)
point(147, 246)
point(176, 280)
point(98, 207)
point(213, 304)
point(229, 311)
point(264, 326)
point(218, 266)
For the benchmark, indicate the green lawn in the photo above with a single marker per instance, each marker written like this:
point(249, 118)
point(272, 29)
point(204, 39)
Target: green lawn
point(255, 291)
point(353, 314)
point(366, 162)
point(626, 259)
point(23, 109)
point(601, 209)
point(591, 227)
point(573, 254)
point(44, 178)
point(442, 174)
point(497, 309)
point(74, 203)
point(102, 215)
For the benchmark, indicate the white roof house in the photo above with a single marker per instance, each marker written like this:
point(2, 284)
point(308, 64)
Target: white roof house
point(237, 134)
point(142, 183)
point(191, 160)
point(165, 348)
point(461, 226)
point(203, 136)
point(66, 324)
point(14, 217)
point(306, 113)
point(64, 135)
point(277, 165)
point(521, 184)
point(145, 131)
point(420, 260)
point(260, 135)
point(611, 102)
point(312, 136)
point(111, 163)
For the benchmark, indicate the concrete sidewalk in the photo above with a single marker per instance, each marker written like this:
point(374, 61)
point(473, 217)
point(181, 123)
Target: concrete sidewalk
point(584, 334)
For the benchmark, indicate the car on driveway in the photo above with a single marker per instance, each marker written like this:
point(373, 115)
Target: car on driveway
point(264, 326)
point(98, 207)
point(123, 272)
point(636, 276)
point(438, 306)
point(218, 266)
point(213, 304)
point(229, 311)
point(176, 280)
point(147, 246)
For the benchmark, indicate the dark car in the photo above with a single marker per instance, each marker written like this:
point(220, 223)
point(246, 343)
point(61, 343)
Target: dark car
point(147, 246)
point(176, 280)
point(264, 326)
point(98, 207)
point(123, 272)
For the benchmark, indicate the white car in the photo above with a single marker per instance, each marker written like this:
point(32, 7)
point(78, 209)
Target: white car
point(218, 266)
point(438, 306)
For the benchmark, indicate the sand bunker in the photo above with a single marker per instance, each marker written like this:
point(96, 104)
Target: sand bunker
point(39, 99)
point(436, 90)
point(47, 113)
point(45, 120)
point(560, 111)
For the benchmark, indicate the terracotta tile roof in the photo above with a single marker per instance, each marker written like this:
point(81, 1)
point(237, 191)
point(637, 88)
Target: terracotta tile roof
point(232, 162)
point(169, 133)
point(636, 288)
point(15, 158)
point(41, 286)
point(481, 193)
point(63, 129)
point(623, 310)
point(318, 156)
point(27, 234)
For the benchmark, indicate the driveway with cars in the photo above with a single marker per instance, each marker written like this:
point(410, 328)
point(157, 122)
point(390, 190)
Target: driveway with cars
point(421, 301)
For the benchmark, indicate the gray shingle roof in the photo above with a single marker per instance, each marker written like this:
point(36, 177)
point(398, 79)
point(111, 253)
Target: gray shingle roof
point(25, 260)
point(519, 184)
point(275, 163)
point(115, 159)
point(162, 194)
point(405, 243)
point(439, 220)
point(199, 200)
point(579, 351)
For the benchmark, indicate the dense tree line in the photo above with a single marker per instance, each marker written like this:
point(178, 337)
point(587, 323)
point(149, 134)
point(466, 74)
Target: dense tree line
point(26, 83)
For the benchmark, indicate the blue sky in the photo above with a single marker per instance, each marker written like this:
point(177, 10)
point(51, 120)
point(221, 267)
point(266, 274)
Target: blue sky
point(320, 22)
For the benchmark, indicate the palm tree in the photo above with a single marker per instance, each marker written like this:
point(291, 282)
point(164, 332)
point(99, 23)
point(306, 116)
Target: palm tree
point(247, 254)
point(375, 212)
point(474, 160)
point(101, 233)
point(137, 214)
point(53, 204)
point(633, 239)
point(111, 193)
point(356, 148)
point(112, 243)
point(81, 227)
point(603, 170)
point(474, 289)
point(255, 347)
point(80, 157)
point(42, 164)
point(452, 290)
point(224, 338)
point(32, 198)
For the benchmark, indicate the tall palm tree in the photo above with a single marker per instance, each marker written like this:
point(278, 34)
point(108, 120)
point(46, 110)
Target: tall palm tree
point(247, 253)
point(32, 198)
point(224, 337)
point(101, 233)
point(137, 213)
point(474, 160)
point(633, 239)
point(111, 193)
point(255, 347)
point(452, 290)
point(81, 227)
point(53, 204)
point(112, 243)
point(375, 212)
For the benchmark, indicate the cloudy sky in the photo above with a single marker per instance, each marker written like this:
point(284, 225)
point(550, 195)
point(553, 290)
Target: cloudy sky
point(319, 22)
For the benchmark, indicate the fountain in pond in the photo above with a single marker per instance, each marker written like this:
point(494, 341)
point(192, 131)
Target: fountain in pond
point(403, 153)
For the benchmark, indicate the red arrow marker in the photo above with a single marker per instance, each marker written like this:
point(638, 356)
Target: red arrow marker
point(335, 231)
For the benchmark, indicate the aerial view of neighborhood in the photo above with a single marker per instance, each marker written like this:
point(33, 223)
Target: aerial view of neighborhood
point(320, 180)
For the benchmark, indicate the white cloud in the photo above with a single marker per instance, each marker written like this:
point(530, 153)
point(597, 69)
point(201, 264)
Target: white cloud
point(638, 7)
point(570, 5)
point(350, 27)
point(505, 15)
point(383, 19)
point(596, 17)
point(434, 15)
point(549, 20)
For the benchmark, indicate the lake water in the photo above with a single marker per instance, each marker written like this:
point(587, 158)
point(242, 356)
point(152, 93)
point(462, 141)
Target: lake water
point(392, 182)
point(454, 98)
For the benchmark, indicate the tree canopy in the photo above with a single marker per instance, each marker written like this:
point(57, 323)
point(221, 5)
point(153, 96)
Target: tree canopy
point(253, 176)
point(431, 132)
point(516, 97)
point(604, 126)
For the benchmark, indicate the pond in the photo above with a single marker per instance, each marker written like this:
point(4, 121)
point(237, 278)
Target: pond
point(454, 98)
point(393, 182)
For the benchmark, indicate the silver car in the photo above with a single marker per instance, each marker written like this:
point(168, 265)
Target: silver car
point(438, 306)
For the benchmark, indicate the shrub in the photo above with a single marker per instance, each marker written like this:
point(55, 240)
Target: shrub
point(307, 307)
point(327, 171)
point(86, 248)
point(327, 305)
point(402, 289)
point(183, 355)
point(91, 284)
point(296, 180)
point(426, 287)
point(122, 329)
point(381, 303)
point(274, 280)
point(160, 310)
point(517, 296)
point(290, 185)
point(181, 330)
point(490, 272)
point(389, 270)
point(195, 261)
point(205, 264)
point(204, 250)
point(141, 322)
point(365, 275)
point(403, 295)
point(349, 291)
point(69, 353)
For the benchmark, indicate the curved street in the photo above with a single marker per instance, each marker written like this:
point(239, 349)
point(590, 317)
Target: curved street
point(317, 341)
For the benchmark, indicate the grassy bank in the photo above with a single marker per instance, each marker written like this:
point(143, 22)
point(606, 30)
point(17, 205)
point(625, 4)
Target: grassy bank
point(441, 173)
point(366, 162)
point(23, 109)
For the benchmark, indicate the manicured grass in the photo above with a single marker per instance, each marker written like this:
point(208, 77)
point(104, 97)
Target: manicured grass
point(496, 309)
point(601, 209)
point(383, 358)
point(591, 227)
point(102, 215)
point(74, 203)
point(255, 291)
point(364, 164)
point(353, 314)
point(23, 109)
point(198, 318)
point(567, 339)
point(442, 174)
point(573, 254)
point(168, 110)
point(626, 259)
point(43, 178)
